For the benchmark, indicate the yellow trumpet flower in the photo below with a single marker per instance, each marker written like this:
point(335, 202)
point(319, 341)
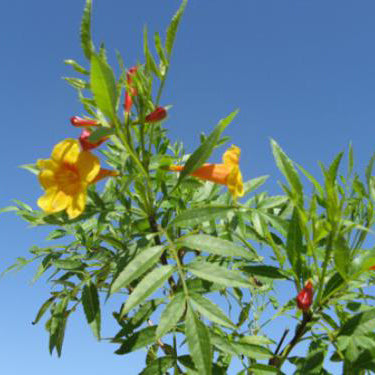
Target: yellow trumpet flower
point(66, 176)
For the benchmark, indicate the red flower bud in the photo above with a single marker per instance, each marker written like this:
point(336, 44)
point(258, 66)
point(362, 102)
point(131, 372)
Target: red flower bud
point(131, 90)
point(158, 114)
point(79, 121)
point(86, 144)
point(305, 297)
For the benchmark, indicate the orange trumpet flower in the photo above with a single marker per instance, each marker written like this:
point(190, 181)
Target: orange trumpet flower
point(228, 173)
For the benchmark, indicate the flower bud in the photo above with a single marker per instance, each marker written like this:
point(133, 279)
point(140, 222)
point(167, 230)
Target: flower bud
point(86, 144)
point(158, 114)
point(305, 297)
point(131, 90)
point(79, 121)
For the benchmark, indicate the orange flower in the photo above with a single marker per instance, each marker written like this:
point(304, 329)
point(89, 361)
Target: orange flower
point(305, 297)
point(66, 176)
point(372, 268)
point(228, 173)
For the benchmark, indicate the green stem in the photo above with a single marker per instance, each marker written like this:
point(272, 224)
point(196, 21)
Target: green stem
point(178, 262)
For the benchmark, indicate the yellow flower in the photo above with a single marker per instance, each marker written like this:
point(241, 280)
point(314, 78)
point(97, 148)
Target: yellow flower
point(228, 173)
point(65, 178)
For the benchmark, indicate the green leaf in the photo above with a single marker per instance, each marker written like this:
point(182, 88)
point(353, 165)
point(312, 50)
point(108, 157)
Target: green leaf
point(78, 68)
point(333, 283)
point(91, 307)
point(149, 284)
point(31, 168)
point(161, 52)
point(150, 62)
point(137, 340)
point(100, 133)
point(57, 325)
point(43, 309)
point(137, 267)
point(359, 324)
point(199, 344)
point(287, 169)
point(294, 243)
point(312, 179)
point(67, 264)
point(103, 86)
point(8, 209)
point(252, 351)
point(213, 245)
point(86, 42)
point(369, 169)
point(171, 315)
point(217, 274)
point(363, 262)
point(342, 256)
point(159, 366)
point(254, 184)
point(203, 152)
point(265, 271)
point(172, 29)
point(261, 369)
point(350, 159)
point(210, 310)
point(195, 216)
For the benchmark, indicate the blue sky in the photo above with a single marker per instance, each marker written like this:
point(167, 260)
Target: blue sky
point(302, 72)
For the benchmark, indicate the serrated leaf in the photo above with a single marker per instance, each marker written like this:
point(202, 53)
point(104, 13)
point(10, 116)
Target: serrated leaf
point(137, 267)
point(199, 344)
point(91, 307)
point(359, 324)
point(210, 310)
point(197, 216)
point(213, 245)
point(172, 29)
point(294, 243)
point(67, 264)
point(159, 366)
point(287, 169)
point(261, 369)
point(341, 254)
point(265, 271)
point(171, 315)
point(137, 340)
point(217, 274)
point(203, 152)
point(85, 32)
point(160, 51)
point(103, 86)
point(254, 183)
point(150, 61)
point(43, 309)
point(149, 284)
point(78, 68)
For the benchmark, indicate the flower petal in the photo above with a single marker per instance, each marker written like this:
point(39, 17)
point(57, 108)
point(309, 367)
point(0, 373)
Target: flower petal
point(53, 201)
point(217, 173)
point(88, 166)
point(235, 183)
point(47, 178)
point(47, 164)
point(77, 205)
point(231, 157)
point(66, 151)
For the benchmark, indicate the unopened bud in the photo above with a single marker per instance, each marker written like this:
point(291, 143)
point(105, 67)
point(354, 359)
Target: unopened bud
point(79, 121)
point(305, 297)
point(86, 144)
point(158, 114)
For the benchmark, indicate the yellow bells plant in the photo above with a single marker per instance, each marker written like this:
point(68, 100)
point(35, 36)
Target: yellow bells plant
point(66, 176)
point(228, 173)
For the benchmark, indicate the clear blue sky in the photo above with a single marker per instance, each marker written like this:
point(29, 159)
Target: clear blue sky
point(301, 71)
